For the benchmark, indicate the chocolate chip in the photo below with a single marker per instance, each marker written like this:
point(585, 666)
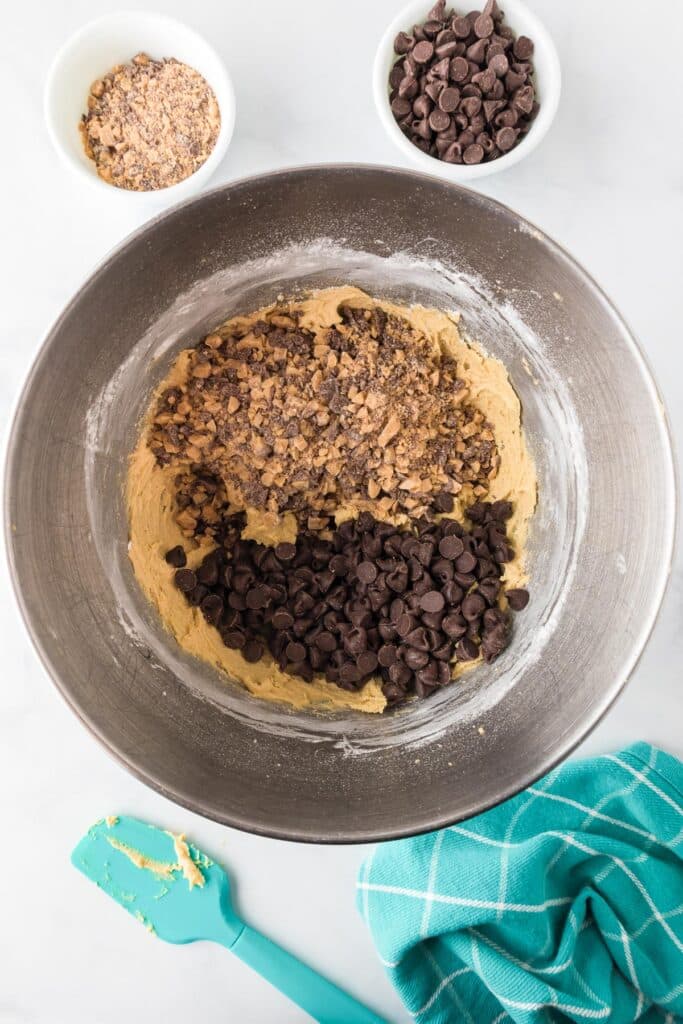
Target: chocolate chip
point(185, 580)
point(367, 663)
point(444, 652)
point(258, 597)
point(513, 81)
point(237, 601)
point(523, 99)
point(339, 565)
point(431, 28)
point(459, 69)
point(432, 601)
point(448, 102)
point(387, 631)
point(387, 655)
point(439, 120)
point(418, 638)
point(518, 598)
point(501, 510)
point(295, 651)
point(466, 650)
point(208, 572)
point(473, 606)
point(451, 547)
point(422, 106)
point(453, 153)
point(415, 659)
point(400, 108)
point(425, 682)
point(285, 551)
point(403, 43)
point(453, 594)
point(392, 693)
point(282, 619)
point(454, 625)
point(405, 624)
point(499, 64)
point(325, 641)
point(474, 154)
point(465, 562)
point(441, 69)
point(443, 502)
point(446, 36)
point(425, 552)
point(434, 90)
point(355, 641)
point(349, 674)
point(423, 52)
point(367, 572)
point(234, 638)
point(397, 580)
point(212, 608)
point(176, 557)
point(503, 553)
point(523, 48)
point(506, 138)
point(399, 674)
point(446, 50)
point(483, 26)
point(253, 650)
point(471, 106)
point(489, 590)
point(461, 28)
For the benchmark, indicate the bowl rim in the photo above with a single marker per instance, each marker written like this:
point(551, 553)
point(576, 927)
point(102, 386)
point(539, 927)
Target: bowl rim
point(171, 193)
point(459, 173)
point(573, 737)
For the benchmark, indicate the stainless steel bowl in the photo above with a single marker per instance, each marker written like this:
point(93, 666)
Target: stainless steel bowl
point(600, 547)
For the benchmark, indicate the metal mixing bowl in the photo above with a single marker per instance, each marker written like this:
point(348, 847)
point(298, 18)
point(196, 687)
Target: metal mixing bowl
point(600, 545)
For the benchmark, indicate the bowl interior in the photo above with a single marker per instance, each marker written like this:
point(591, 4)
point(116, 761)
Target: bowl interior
point(547, 78)
point(115, 39)
point(200, 738)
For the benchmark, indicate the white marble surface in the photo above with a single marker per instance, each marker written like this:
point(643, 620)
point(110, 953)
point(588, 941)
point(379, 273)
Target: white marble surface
point(607, 183)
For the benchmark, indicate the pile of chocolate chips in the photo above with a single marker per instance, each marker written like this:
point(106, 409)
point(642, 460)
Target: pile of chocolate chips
point(372, 600)
point(462, 89)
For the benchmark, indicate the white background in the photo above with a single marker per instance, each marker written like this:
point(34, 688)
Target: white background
point(607, 183)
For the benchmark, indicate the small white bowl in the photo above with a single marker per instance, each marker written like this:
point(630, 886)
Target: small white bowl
point(548, 82)
point(115, 39)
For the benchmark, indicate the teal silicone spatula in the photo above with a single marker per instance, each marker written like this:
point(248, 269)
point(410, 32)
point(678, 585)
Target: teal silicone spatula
point(182, 896)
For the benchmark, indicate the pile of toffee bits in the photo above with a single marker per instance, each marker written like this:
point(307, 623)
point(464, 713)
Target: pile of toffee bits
point(150, 123)
point(275, 417)
point(373, 600)
point(462, 89)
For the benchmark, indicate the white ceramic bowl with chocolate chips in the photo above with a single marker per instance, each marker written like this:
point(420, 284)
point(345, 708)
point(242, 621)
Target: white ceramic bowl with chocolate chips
point(91, 54)
point(545, 78)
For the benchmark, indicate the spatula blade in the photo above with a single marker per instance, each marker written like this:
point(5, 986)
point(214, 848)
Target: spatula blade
point(168, 885)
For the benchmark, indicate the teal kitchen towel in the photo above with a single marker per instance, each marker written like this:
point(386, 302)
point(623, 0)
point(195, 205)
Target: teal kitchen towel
point(564, 903)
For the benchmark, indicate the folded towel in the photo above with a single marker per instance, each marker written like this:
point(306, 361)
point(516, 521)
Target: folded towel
point(564, 903)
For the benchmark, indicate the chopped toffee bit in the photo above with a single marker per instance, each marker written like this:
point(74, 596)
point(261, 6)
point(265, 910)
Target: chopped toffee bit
point(373, 599)
point(275, 418)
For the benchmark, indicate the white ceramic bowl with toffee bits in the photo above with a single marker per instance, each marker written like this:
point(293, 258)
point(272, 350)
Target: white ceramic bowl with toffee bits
point(115, 39)
point(547, 82)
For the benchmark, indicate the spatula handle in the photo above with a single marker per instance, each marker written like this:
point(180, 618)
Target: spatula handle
point(324, 1001)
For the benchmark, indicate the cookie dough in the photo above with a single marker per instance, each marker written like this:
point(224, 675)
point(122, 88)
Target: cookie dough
point(153, 530)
